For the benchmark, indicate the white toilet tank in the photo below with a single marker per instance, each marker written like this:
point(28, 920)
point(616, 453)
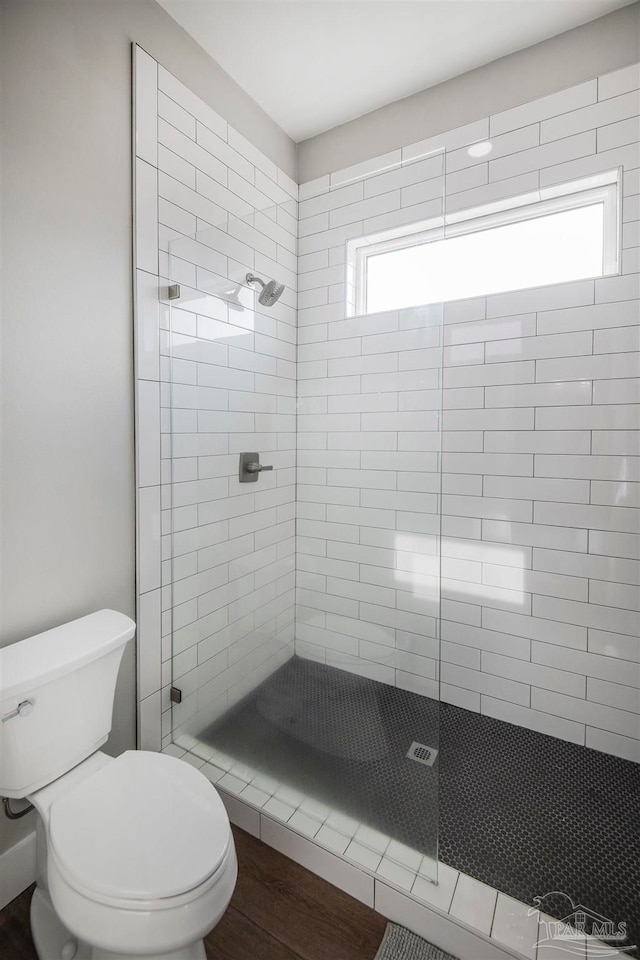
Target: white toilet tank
point(56, 698)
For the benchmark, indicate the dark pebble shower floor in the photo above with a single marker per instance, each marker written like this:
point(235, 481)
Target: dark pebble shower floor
point(521, 811)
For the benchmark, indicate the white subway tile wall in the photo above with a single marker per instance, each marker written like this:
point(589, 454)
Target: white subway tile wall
point(540, 394)
point(541, 443)
point(216, 375)
point(369, 399)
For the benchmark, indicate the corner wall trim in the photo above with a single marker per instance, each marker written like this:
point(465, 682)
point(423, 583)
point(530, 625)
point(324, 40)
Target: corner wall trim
point(17, 869)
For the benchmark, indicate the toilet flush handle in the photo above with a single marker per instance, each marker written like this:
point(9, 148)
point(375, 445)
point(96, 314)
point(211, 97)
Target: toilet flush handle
point(23, 709)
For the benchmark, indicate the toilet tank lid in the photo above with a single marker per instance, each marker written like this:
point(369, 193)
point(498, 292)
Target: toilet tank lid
point(37, 660)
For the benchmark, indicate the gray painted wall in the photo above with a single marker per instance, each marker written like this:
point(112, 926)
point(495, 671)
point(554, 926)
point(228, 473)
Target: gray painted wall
point(67, 384)
point(580, 54)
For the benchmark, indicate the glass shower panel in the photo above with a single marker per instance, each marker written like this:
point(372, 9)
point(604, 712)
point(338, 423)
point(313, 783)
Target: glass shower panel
point(230, 390)
point(328, 722)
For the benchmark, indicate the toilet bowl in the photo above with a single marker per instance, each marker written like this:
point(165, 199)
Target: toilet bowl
point(135, 854)
point(139, 857)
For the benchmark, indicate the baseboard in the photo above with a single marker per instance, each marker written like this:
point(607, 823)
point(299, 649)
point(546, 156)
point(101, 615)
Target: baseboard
point(17, 868)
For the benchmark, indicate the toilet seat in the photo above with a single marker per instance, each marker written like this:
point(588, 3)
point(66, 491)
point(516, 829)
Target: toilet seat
point(140, 854)
point(144, 829)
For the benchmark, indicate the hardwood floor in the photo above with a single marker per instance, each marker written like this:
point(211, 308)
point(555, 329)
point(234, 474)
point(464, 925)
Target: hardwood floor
point(279, 911)
point(15, 936)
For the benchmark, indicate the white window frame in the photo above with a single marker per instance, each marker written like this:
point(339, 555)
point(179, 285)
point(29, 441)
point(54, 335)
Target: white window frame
point(599, 188)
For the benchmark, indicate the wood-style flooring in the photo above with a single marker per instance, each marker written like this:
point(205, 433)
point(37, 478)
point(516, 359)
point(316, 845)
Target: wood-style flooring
point(279, 911)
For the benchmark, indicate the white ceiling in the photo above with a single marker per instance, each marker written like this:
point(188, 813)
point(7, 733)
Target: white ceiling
point(314, 64)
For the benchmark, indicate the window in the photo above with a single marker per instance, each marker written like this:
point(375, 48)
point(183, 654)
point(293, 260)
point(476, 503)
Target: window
point(557, 234)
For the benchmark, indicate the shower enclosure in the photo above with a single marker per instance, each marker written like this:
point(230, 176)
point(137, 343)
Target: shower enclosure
point(302, 600)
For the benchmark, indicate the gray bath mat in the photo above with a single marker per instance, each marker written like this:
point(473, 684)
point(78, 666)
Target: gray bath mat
point(399, 943)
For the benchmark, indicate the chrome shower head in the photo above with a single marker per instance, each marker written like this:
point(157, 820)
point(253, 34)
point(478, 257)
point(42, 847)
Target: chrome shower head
point(270, 292)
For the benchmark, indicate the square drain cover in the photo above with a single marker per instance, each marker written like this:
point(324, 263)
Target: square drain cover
point(422, 753)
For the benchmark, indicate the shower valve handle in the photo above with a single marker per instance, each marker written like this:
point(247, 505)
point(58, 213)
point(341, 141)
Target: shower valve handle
point(251, 468)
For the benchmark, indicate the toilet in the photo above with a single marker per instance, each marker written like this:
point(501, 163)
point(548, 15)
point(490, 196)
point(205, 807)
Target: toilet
point(135, 855)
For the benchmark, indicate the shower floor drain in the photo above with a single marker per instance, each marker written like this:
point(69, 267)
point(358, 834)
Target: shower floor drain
point(422, 753)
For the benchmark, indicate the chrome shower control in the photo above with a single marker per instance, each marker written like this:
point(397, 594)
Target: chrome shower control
point(250, 467)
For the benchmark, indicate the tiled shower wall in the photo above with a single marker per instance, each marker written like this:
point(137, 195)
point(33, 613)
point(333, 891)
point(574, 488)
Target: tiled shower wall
point(540, 520)
point(540, 546)
point(368, 527)
point(215, 558)
point(369, 415)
